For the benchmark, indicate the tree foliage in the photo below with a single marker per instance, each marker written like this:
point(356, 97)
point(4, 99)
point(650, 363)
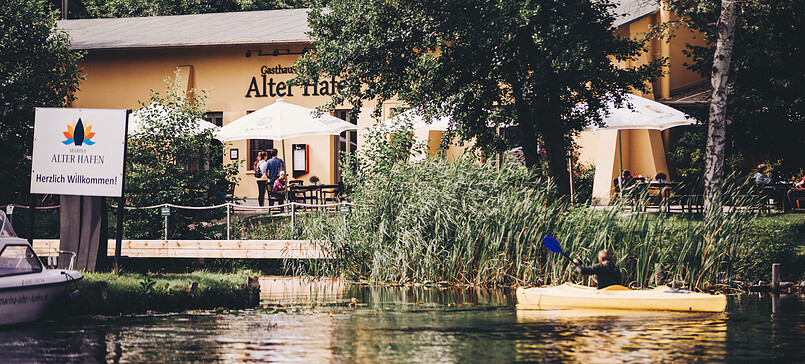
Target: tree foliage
point(37, 69)
point(523, 65)
point(171, 160)
point(766, 105)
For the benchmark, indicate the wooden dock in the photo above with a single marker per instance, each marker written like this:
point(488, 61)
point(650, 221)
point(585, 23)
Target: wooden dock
point(242, 249)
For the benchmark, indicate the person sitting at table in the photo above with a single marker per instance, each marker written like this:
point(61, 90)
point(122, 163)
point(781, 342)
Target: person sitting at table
point(796, 193)
point(278, 189)
point(314, 180)
point(661, 177)
point(627, 180)
point(761, 179)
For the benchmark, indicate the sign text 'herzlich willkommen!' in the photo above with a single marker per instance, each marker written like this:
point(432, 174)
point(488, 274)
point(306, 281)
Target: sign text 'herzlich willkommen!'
point(79, 152)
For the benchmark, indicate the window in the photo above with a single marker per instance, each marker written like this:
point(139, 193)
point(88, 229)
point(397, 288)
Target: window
point(397, 110)
point(18, 259)
point(256, 146)
point(349, 139)
point(215, 117)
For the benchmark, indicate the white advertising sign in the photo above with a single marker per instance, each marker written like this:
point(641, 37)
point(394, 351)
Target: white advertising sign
point(78, 152)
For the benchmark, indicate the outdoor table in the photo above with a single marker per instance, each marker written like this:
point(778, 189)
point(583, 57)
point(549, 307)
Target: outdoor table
point(776, 194)
point(662, 190)
point(304, 194)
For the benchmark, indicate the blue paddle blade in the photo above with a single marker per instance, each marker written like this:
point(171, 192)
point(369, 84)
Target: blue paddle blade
point(552, 244)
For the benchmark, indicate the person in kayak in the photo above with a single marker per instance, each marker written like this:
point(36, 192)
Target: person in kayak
point(605, 271)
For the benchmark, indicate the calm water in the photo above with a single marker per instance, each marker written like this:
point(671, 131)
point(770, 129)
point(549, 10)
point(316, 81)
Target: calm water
point(417, 325)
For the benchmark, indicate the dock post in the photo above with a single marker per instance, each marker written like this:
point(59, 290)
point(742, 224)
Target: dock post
point(775, 277)
point(166, 227)
point(228, 223)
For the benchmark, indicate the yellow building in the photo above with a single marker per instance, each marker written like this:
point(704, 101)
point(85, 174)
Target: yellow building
point(643, 151)
point(245, 60)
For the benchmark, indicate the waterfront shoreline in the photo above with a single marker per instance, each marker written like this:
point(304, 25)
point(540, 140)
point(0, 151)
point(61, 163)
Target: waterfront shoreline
point(132, 293)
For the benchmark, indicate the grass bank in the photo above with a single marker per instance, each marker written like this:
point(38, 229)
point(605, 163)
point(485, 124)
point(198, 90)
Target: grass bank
point(111, 294)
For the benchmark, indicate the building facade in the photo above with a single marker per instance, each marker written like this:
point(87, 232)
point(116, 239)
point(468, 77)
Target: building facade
point(245, 59)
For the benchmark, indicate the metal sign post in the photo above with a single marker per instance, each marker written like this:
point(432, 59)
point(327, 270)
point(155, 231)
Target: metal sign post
point(10, 213)
point(345, 210)
point(121, 201)
point(165, 211)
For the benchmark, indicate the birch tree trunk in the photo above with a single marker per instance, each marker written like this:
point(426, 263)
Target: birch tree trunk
point(717, 128)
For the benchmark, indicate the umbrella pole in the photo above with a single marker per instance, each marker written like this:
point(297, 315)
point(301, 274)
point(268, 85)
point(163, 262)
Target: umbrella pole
point(287, 179)
point(284, 161)
point(620, 163)
point(570, 169)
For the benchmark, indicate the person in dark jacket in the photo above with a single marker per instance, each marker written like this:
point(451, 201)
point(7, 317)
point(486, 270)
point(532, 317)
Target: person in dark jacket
point(605, 271)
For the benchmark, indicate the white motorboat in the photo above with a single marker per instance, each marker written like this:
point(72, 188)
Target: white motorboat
point(27, 287)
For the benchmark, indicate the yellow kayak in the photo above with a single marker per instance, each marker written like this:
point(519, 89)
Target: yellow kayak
point(664, 298)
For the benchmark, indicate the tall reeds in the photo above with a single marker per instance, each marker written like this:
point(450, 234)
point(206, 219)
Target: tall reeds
point(464, 222)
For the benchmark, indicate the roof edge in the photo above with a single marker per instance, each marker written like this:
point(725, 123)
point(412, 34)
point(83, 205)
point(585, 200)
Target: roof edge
point(196, 45)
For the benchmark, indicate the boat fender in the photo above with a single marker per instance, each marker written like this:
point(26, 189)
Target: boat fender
point(74, 293)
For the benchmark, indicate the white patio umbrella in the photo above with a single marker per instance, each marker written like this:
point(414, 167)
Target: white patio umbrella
point(280, 121)
point(644, 114)
point(136, 122)
point(418, 120)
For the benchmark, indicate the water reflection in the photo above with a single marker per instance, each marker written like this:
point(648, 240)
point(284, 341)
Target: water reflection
point(630, 336)
point(415, 324)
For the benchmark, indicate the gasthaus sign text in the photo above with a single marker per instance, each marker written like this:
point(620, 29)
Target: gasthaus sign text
point(79, 152)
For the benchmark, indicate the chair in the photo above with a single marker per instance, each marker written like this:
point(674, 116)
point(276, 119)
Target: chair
point(689, 197)
point(330, 194)
point(230, 192)
point(632, 190)
point(303, 194)
point(797, 199)
point(296, 182)
point(279, 197)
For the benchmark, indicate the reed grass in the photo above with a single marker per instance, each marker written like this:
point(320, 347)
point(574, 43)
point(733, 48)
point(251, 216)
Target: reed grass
point(463, 222)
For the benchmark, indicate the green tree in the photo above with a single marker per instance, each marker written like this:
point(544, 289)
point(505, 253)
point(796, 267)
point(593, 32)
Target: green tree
point(37, 69)
point(522, 64)
point(171, 160)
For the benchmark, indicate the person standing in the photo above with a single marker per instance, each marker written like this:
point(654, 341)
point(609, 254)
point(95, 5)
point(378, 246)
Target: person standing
point(274, 166)
point(260, 171)
point(606, 272)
